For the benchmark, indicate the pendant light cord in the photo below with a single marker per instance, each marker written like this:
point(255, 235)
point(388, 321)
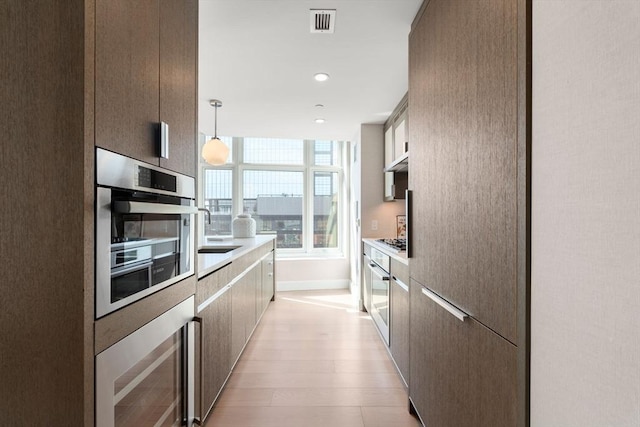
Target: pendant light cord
point(215, 122)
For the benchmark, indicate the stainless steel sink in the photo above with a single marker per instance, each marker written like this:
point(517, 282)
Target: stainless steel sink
point(216, 249)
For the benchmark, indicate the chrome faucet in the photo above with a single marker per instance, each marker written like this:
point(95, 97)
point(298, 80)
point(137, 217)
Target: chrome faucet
point(208, 214)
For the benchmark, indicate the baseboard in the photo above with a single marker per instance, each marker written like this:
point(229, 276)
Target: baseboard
point(309, 285)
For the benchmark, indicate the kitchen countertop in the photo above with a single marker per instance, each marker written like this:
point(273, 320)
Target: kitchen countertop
point(399, 256)
point(208, 263)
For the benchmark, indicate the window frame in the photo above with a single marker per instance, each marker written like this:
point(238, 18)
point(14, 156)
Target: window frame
point(308, 169)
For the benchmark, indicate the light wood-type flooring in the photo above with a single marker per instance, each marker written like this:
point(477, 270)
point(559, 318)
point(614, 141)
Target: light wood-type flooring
point(314, 361)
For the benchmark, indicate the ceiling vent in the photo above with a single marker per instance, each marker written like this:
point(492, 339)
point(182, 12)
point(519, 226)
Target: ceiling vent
point(323, 20)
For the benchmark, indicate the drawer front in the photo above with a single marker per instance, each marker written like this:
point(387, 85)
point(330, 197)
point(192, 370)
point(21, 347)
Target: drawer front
point(461, 372)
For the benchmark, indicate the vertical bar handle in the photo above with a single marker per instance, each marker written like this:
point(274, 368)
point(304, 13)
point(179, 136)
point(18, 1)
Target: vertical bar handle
point(408, 200)
point(191, 415)
point(164, 140)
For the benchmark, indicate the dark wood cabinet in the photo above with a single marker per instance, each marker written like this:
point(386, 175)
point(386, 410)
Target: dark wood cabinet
point(146, 59)
point(230, 303)
point(127, 98)
point(238, 316)
point(215, 363)
point(178, 81)
point(462, 373)
point(243, 318)
point(399, 327)
point(469, 222)
point(267, 288)
point(462, 126)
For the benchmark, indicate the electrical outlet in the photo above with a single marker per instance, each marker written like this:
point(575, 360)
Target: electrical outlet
point(374, 224)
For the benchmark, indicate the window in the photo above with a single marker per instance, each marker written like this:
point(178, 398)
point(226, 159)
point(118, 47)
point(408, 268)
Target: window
point(275, 200)
point(325, 209)
point(218, 192)
point(273, 151)
point(326, 153)
point(292, 188)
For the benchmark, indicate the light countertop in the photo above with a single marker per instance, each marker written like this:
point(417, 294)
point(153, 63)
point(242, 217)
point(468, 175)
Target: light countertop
point(399, 256)
point(208, 263)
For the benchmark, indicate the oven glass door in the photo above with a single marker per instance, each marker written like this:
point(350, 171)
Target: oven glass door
point(142, 380)
point(380, 300)
point(130, 280)
point(137, 229)
point(150, 392)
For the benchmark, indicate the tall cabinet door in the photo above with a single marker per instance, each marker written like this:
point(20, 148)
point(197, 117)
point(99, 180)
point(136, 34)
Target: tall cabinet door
point(178, 96)
point(127, 77)
point(216, 350)
point(462, 373)
point(462, 126)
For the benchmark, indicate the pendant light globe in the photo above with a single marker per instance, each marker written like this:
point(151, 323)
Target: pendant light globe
point(215, 152)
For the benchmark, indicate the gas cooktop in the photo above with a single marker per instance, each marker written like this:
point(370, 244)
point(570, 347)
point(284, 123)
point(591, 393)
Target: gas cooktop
point(397, 244)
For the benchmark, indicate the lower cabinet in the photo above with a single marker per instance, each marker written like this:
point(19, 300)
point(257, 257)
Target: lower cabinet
point(268, 280)
point(399, 334)
point(243, 310)
point(462, 373)
point(228, 309)
point(215, 362)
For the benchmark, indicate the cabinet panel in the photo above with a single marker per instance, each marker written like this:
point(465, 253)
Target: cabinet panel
point(462, 117)
point(388, 145)
point(216, 349)
point(178, 51)
point(268, 282)
point(209, 285)
point(461, 372)
point(399, 138)
point(243, 305)
point(127, 77)
point(238, 316)
point(399, 334)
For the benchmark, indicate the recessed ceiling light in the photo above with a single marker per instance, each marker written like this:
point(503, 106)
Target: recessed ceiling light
point(319, 105)
point(319, 120)
point(321, 77)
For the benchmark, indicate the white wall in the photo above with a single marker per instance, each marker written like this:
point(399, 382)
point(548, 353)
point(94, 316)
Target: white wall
point(372, 205)
point(312, 273)
point(585, 337)
point(367, 196)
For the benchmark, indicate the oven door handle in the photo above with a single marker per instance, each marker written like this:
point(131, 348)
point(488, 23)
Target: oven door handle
point(125, 270)
point(124, 206)
point(382, 275)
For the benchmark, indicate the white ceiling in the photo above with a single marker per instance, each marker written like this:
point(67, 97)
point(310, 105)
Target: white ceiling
point(258, 57)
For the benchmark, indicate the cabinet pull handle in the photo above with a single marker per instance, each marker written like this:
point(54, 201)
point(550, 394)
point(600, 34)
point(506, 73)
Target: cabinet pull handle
point(408, 206)
point(198, 320)
point(123, 206)
point(459, 314)
point(164, 140)
point(401, 283)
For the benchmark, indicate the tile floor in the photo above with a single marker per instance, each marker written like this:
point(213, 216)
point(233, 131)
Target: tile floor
point(314, 361)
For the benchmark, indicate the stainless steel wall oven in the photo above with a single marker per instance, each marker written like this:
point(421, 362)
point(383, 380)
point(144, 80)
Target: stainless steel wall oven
point(146, 379)
point(144, 229)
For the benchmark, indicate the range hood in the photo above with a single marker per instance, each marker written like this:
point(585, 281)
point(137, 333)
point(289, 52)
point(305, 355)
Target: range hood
point(401, 164)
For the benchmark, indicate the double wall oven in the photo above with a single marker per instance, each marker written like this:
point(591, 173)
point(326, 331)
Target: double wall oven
point(144, 243)
point(144, 230)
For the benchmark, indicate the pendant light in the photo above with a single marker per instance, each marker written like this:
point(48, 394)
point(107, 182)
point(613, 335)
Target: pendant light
point(214, 151)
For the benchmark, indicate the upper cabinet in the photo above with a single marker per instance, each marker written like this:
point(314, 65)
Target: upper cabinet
point(463, 129)
point(178, 82)
point(396, 155)
point(146, 61)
